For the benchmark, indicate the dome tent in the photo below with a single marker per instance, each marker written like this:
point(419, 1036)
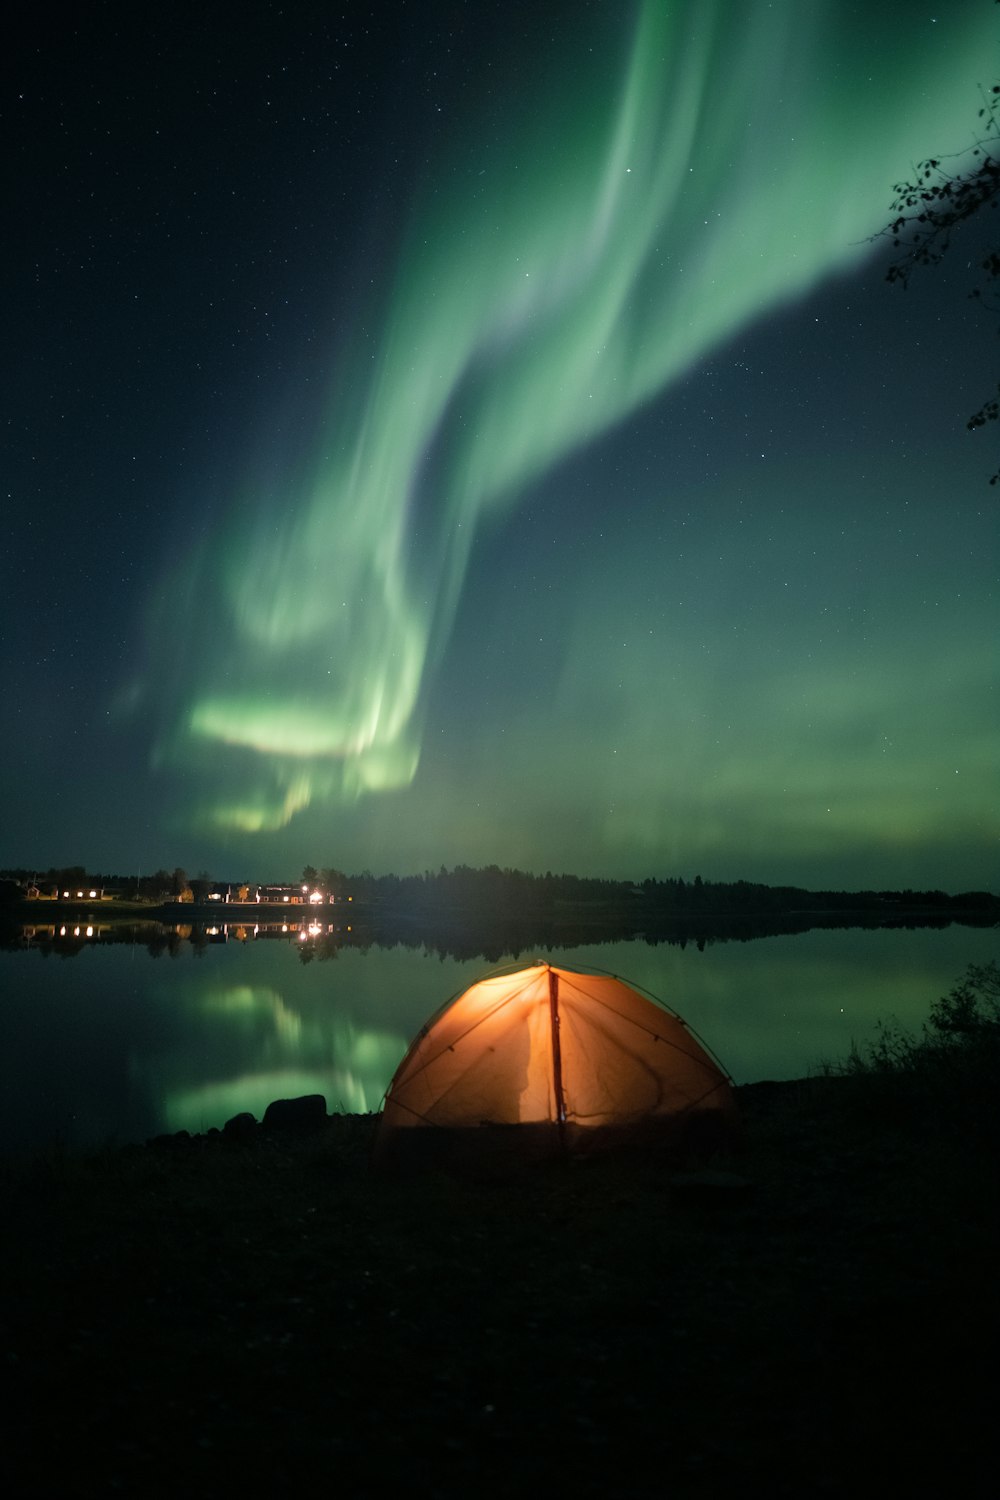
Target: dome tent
point(554, 1059)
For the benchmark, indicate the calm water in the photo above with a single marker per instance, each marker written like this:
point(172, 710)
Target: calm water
point(115, 1045)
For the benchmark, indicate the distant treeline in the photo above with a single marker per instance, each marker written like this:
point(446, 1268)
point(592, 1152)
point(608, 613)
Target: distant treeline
point(158, 885)
point(499, 892)
point(495, 890)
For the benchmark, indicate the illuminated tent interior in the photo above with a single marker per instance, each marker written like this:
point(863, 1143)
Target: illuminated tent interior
point(572, 1060)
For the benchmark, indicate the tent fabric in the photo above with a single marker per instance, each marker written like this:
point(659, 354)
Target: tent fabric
point(578, 1051)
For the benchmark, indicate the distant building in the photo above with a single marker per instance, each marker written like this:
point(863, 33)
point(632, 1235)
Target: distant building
point(281, 895)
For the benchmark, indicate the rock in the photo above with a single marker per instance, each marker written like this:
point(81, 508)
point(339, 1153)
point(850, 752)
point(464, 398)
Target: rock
point(180, 1138)
point(305, 1113)
point(242, 1127)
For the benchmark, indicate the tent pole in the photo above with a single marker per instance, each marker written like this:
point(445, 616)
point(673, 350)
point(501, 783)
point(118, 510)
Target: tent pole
point(557, 1080)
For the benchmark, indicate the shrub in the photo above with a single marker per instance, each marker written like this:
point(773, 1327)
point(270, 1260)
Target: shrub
point(971, 1011)
point(948, 1072)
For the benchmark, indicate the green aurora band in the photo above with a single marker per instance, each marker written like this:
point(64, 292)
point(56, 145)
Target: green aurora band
point(646, 208)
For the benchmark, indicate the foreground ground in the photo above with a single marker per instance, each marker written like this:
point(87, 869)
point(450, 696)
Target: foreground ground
point(222, 1317)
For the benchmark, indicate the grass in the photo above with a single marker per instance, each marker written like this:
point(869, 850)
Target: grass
point(221, 1316)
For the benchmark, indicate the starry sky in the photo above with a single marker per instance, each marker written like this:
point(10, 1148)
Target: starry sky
point(482, 433)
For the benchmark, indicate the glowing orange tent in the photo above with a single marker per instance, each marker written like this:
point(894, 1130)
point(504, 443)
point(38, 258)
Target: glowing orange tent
point(573, 1059)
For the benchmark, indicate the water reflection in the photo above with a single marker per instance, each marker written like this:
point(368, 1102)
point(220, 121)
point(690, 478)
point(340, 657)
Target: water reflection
point(255, 1047)
point(114, 1046)
point(160, 937)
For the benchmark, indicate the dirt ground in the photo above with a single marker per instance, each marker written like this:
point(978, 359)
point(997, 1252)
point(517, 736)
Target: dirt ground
point(812, 1314)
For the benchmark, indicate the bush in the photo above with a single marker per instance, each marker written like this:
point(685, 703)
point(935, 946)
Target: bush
point(971, 1011)
point(946, 1073)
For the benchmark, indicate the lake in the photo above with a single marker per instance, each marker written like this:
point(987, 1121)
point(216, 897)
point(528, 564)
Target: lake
point(112, 1041)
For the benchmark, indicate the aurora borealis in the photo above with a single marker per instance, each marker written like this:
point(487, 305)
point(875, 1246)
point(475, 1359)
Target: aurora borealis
point(470, 437)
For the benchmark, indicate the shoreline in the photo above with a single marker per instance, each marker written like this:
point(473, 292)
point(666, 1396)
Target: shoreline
point(221, 1314)
point(600, 915)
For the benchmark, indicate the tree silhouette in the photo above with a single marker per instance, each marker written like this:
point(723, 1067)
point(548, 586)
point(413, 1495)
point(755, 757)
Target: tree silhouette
point(930, 209)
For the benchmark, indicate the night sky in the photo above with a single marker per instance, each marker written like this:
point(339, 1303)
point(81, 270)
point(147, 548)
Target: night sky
point(482, 433)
